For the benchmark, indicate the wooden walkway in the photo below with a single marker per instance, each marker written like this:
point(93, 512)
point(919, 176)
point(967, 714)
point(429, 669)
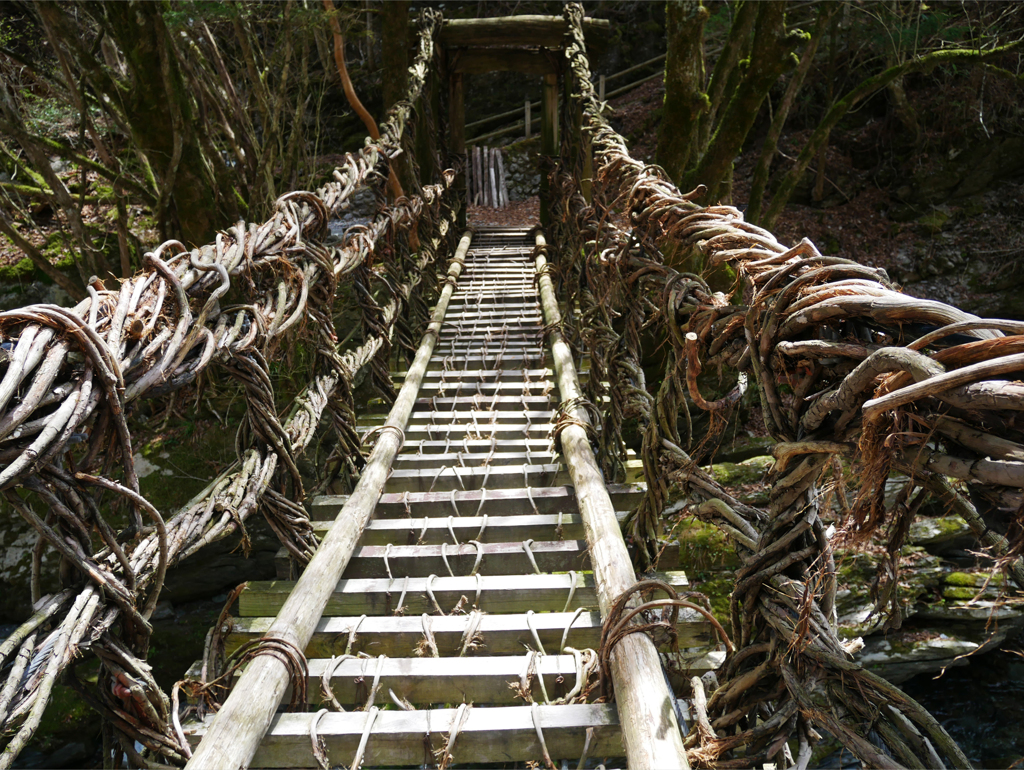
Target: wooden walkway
point(464, 626)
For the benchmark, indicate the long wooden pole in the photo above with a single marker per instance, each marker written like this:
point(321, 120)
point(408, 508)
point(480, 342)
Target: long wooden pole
point(238, 728)
point(650, 729)
point(548, 142)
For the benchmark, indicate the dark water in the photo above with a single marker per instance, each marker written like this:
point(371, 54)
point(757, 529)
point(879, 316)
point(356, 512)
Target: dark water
point(981, 705)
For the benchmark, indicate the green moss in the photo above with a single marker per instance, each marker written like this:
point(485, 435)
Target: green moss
point(973, 579)
point(747, 472)
point(704, 547)
point(957, 593)
point(16, 272)
point(718, 589)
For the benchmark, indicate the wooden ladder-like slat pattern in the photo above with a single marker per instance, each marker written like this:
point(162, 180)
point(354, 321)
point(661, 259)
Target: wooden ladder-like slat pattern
point(477, 513)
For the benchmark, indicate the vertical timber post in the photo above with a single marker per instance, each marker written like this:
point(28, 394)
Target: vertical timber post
point(548, 143)
point(528, 118)
point(457, 132)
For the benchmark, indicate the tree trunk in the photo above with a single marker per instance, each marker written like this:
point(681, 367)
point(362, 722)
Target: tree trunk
point(685, 100)
point(723, 77)
point(771, 141)
point(394, 37)
point(771, 54)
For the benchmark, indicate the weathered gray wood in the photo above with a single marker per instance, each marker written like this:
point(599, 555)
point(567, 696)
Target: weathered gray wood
point(650, 729)
point(469, 415)
point(496, 502)
point(479, 680)
point(496, 559)
point(380, 596)
point(238, 727)
point(503, 403)
point(489, 735)
point(457, 137)
point(507, 634)
point(455, 478)
point(472, 459)
point(524, 31)
point(502, 183)
point(527, 119)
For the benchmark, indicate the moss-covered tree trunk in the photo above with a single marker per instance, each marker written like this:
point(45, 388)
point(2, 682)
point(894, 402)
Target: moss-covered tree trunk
point(685, 100)
point(161, 116)
point(771, 55)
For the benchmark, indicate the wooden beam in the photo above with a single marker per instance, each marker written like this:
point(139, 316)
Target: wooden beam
point(476, 61)
point(650, 728)
point(529, 31)
point(396, 635)
point(236, 732)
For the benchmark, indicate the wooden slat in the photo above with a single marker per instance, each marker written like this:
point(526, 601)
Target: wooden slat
point(470, 402)
point(377, 596)
point(496, 559)
point(488, 735)
point(467, 460)
point(455, 478)
point(498, 502)
point(468, 415)
point(397, 636)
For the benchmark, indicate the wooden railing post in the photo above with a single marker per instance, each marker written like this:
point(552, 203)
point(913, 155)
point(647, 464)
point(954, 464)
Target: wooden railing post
point(528, 119)
point(650, 729)
point(236, 731)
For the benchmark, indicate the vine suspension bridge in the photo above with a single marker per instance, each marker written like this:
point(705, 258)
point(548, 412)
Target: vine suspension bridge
point(472, 600)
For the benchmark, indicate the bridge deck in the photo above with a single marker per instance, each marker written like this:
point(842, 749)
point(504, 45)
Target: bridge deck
point(473, 563)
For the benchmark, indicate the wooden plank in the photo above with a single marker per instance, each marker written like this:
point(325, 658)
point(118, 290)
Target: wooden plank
point(427, 447)
point(495, 559)
point(496, 529)
point(380, 596)
point(488, 375)
point(480, 680)
point(536, 387)
point(473, 459)
point(507, 634)
point(503, 403)
point(480, 415)
point(504, 431)
point(524, 30)
point(455, 478)
point(488, 735)
point(498, 502)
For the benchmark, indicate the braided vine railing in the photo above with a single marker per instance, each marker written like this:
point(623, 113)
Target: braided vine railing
point(71, 375)
point(856, 382)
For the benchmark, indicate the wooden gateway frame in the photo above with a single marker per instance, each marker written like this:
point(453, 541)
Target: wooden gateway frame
point(529, 43)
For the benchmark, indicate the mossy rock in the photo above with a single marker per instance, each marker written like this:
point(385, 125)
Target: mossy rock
point(750, 471)
point(704, 547)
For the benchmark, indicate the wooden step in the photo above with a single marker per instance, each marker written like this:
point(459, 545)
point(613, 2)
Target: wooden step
point(503, 558)
point(464, 459)
point(413, 447)
point(381, 596)
point(498, 502)
point(467, 403)
point(484, 375)
point(398, 636)
point(452, 387)
point(453, 477)
point(500, 430)
point(466, 415)
point(500, 734)
point(493, 529)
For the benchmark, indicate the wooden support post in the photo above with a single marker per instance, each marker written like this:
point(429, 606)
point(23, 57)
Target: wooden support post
point(238, 728)
point(650, 729)
point(492, 172)
point(502, 183)
point(457, 131)
point(528, 120)
point(600, 88)
point(548, 143)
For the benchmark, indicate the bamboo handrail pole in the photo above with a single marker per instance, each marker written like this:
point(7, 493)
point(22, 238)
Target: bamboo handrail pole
point(650, 729)
point(236, 732)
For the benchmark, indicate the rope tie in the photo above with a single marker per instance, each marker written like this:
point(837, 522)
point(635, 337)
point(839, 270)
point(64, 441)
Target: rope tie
point(572, 590)
point(400, 701)
point(428, 643)
point(529, 555)
point(319, 744)
point(479, 589)
point(451, 530)
point(483, 527)
point(533, 632)
point(586, 748)
point(566, 417)
point(401, 599)
point(444, 755)
point(565, 633)
point(423, 532)
point(540, 735)
point(444, 558)
point(558, 527)
point(454, 506)
point(387, 566)
point(352, 634)
point(529, 496)
point(483, 496)
point(479, 557)
point(325, 682)
point(376, 683)
point(371, 717)
point(471, 638)
point(379, 431)
point(430, 593)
